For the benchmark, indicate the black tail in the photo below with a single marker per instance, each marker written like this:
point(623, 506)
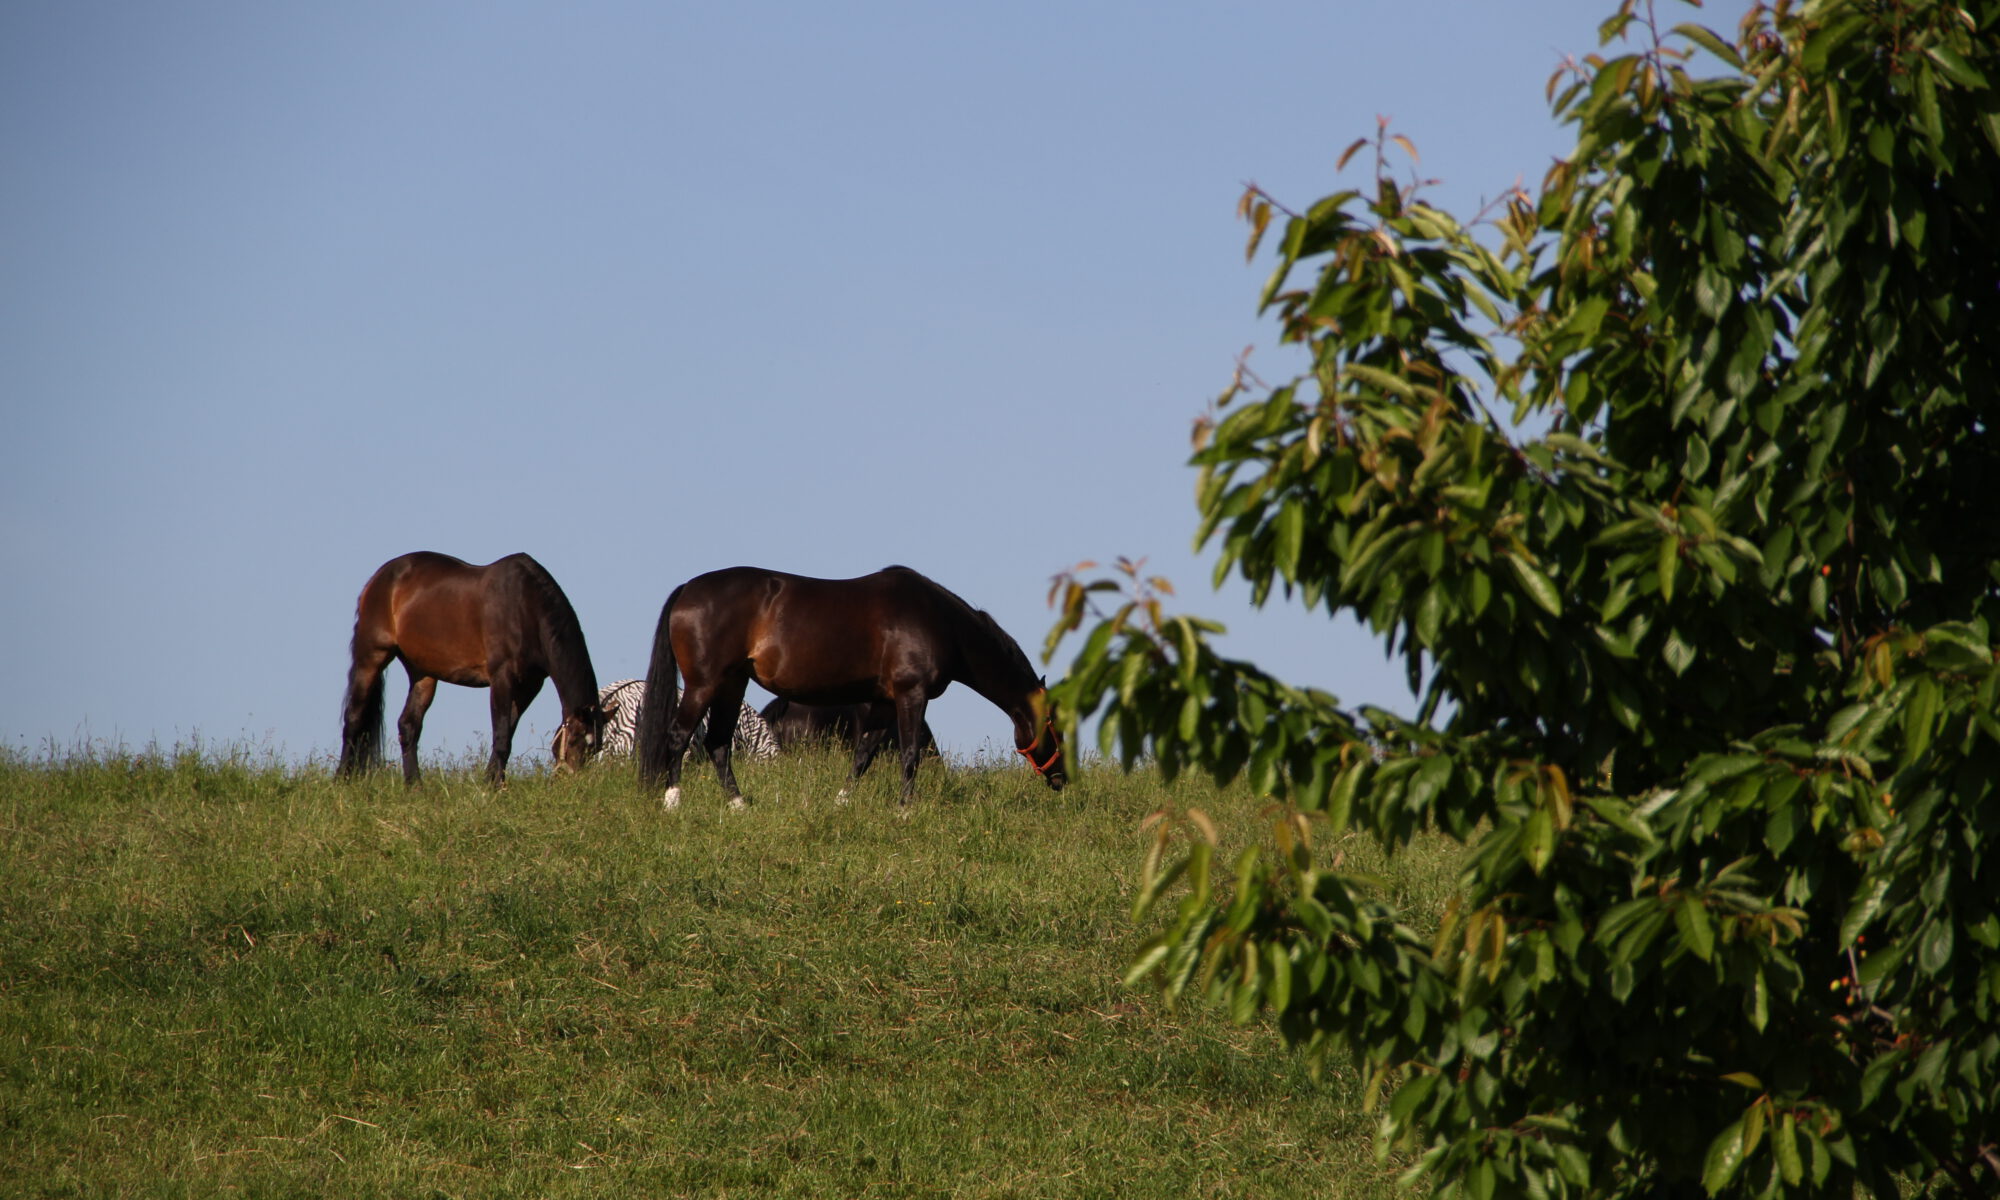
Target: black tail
point(361, 722)
point(656, 711)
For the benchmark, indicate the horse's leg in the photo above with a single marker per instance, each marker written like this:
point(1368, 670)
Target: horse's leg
point(511, 696)
point(679, 733)
point(867, 743)
point(723, 712)
point(410, 726)
point(910, 731)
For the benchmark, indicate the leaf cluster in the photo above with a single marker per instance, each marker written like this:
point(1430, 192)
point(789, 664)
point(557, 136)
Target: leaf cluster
point(1703, 628)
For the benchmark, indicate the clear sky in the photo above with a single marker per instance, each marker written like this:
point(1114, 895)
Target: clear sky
point(647, 289)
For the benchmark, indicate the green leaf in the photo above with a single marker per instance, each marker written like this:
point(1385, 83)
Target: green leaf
point(1694, 462)
point(1536, 584)
point(1936, 946)
point(1150, 956)
point(1290, 531)
point(1538, 839)
point(1617, 813)
point(1956, 67)
point(1879, 1071)
point(1430, 614)
point(1725, 1156)
point(1920, 711)
point(1278, 992)
point(1430, 779)
point(1697, 933)
point(1410, 1097)
point(1867, 902)
point(1668, 565)
point(1757, 1005)
point(1957, 648)
point(1480, 1180)
point(1678, 653)
point(1383, 380)
point(1785, 1148)
point(1712, 292)
point(1706, 38)
point(1340, 801)
point(1745, 369)
point(1478, 592)
point(1244, 998)
point(1152, 884)
point(1928, 115)
point(1190, 721)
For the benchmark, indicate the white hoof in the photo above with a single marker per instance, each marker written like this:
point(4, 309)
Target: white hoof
point(671, 800)
point(738, 804)
point(842, 797)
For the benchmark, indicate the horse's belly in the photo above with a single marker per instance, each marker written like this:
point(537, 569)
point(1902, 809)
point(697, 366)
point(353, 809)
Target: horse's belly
point(786, 676)
point(451, 656)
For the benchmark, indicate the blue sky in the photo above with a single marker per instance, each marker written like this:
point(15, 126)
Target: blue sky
point(646, 290)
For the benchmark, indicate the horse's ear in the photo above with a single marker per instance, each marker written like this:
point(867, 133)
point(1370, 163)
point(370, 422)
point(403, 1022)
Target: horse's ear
point(1042, 681)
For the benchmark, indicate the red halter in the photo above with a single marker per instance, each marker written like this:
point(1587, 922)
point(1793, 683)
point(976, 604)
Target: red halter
point(1028, 751)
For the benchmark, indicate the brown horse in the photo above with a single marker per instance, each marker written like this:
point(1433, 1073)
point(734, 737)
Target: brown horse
point(893, 637)
point(504, 626)
point(864, 729)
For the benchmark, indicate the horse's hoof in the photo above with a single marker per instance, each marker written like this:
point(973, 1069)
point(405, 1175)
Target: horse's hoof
point(672, 800)
point(738, 804)
point(842, 797)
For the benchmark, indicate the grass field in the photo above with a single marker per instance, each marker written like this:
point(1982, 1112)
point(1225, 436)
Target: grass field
point(226, 976)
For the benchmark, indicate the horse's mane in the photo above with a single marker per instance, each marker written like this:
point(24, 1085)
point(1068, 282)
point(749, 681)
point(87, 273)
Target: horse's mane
point(1009, 648)
point(562, 635)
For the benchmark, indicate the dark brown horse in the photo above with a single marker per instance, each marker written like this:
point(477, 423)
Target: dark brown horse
point(864, 729)
point(504, 626)
point(892, 638)
point(795, 724)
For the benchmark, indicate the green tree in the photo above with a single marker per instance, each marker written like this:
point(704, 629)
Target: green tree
point(1703, 630)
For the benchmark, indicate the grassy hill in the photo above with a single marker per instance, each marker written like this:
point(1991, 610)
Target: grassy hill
point(225, 976)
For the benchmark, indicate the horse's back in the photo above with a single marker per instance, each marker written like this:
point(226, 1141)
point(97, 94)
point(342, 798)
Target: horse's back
point(431, 610)
point(763, 588)
point(820, 641)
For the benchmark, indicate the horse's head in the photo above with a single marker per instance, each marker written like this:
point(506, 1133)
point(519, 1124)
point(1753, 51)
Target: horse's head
point(1038, 740)
point(579, 736)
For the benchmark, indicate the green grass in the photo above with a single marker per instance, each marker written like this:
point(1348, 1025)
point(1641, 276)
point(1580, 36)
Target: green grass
point(225, 976)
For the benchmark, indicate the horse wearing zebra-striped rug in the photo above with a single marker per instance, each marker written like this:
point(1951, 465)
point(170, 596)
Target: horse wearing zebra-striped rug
point(621, 702)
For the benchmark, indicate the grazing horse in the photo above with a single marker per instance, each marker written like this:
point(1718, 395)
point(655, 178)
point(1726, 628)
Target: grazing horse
point(504, 626)
point(891, 638)
point(863, 728)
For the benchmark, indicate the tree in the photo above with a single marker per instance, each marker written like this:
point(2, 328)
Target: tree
point(1703, 632)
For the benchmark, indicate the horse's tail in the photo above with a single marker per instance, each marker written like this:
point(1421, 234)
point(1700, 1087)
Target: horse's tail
point(361, 717)
point(656, 711)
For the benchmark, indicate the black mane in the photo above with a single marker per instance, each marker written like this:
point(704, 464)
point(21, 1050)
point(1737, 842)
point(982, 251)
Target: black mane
point(563, 643)
point(980, 617)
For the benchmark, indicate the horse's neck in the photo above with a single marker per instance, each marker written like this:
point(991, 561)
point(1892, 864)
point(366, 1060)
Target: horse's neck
point(990, 669)
point(576, 694)
point(1009, 699)
point(569, 667)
